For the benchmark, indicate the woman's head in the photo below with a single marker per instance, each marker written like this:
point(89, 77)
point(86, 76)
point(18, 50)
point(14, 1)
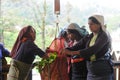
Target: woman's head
point(27, 32)
point(96, 23)
point(74, 32)
point(63, 34)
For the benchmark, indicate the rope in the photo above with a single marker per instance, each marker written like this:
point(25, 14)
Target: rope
point(57, 26)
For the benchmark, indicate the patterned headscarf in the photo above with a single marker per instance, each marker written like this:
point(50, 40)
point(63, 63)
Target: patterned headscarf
point(24, 35)
point(76, 27)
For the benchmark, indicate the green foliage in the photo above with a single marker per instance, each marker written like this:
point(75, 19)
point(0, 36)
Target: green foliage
point(41, 64)
point(30, 12)
point(113, 22)
point(9, 39)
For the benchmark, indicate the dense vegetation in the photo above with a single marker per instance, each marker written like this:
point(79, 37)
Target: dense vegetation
point(16, 14)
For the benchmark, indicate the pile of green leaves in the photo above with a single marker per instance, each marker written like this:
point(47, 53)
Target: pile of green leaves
point(41, 64)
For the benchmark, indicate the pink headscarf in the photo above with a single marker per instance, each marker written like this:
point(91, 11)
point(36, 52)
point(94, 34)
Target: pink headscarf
point(23, 36)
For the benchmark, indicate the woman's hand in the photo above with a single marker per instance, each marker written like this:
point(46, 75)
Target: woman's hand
point(65, 52)
point(68, 52)
point(47, 50)
point(45, 56)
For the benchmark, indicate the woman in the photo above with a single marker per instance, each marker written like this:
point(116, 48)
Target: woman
point(3, 62)
point(96, 51)
point(3, 53)
point(57, 70)
point(23, 54)
point(77, 66)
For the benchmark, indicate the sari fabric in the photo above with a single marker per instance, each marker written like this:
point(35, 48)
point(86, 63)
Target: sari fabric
point(57, 70)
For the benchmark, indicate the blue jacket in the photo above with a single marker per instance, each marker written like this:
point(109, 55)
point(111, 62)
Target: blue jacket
point(3, 52)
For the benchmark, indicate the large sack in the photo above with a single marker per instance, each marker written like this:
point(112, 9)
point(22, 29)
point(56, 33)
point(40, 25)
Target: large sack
point(57, 70)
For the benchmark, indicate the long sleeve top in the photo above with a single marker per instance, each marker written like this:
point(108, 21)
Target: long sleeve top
point(27, 52)
point(101, 46)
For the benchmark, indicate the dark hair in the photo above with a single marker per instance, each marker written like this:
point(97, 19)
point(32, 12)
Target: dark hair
point(63, 33)
point(77, 36)
point(94, 20)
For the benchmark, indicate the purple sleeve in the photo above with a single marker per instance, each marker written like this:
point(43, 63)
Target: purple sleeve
point(36, 50)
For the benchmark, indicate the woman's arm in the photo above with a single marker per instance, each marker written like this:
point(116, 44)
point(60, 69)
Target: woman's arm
point(86, 53)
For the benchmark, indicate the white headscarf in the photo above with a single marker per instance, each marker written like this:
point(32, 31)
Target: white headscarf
point(100, 19)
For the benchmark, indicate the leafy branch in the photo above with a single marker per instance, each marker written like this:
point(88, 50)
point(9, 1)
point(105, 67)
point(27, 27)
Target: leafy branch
point(41, 64)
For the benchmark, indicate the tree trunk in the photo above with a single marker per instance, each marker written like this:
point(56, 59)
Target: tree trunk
point(43, 33)
point(1, 27)
point(43, 25)
point(1, 35)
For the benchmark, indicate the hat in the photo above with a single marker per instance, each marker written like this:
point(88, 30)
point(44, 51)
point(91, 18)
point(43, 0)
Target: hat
point(100, 19)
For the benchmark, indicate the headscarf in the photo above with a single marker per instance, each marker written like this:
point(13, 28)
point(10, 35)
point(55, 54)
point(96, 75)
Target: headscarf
point(24, 35)
point(100, 19)
point(76, 27)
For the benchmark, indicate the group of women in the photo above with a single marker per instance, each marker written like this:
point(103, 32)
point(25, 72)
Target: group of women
point(87, 55)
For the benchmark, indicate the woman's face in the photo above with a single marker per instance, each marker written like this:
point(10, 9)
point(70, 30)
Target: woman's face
point(70, 36)
point(93, 27)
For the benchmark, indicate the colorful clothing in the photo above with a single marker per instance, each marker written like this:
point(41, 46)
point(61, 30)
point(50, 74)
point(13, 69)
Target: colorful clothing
point(3, 62)
point(78, 68)
point(23, 54)
point(101, 67)
point(57, 70)
point(76, 65)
